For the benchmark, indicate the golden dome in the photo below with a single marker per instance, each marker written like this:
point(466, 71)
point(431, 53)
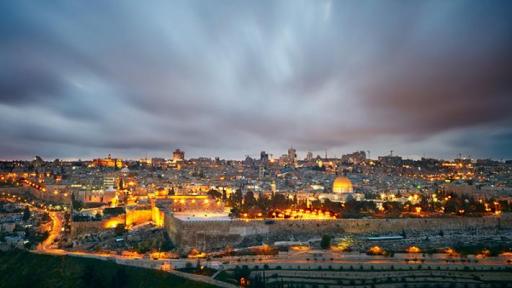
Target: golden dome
point(342, 185)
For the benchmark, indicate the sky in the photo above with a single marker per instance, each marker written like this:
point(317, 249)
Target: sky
point(82, 79)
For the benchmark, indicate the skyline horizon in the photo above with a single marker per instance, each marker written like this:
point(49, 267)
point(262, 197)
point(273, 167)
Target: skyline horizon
point(301, 155)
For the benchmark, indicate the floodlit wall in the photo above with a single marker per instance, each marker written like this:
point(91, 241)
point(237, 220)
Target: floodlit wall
point(157, 216)
point(209, 235)
point(138, 216)
point(87, 227)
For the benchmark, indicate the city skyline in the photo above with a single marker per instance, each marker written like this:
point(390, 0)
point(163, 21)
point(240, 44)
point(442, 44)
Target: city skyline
point(256, 155)
point(230, 79)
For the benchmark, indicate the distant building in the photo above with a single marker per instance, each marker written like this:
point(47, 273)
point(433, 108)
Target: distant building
point(108, 162)
point(390, 160)
point(264, 157)
point(261, 172)
point(309, 156)
point(292, 155)
point(354, 158)
point(158, 162)
point(178, 156)
point(38, 162)
point(108, 181)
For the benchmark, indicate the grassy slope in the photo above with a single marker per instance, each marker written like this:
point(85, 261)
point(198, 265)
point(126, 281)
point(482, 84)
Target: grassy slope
point(22, 269)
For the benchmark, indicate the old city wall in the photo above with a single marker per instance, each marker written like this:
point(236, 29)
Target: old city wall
point(46, 196)
point(85, 227)
point(135, 216)
point(88, 227)
point(208, 235)
point(22, 190)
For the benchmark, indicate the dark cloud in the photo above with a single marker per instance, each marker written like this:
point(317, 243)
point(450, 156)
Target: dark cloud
point(462, 79)
point(15, 89)
point(231, 78)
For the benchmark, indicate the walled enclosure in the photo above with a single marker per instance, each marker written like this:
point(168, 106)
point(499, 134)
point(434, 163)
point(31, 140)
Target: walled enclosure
point(210, 235)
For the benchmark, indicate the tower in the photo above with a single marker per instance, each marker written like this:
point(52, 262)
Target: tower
point(178, 156)
point(292, 155)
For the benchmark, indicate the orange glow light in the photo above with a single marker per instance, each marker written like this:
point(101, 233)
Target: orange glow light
point(413, 249)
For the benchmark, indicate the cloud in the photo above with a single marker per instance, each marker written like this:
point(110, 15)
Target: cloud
point(233, 78)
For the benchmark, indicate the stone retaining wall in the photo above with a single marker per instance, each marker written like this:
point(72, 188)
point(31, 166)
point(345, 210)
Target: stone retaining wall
point(210, 235)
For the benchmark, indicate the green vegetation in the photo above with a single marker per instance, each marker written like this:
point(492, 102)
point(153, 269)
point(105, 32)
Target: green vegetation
point(493, 248)
point(26, 213)
point(326, 242)
point(23, 269)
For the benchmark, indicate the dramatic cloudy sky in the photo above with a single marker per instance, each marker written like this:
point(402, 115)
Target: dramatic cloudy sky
point(232, 78)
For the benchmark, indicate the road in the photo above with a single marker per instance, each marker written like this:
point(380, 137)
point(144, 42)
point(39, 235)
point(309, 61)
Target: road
point(56, 218)
point(354, 258)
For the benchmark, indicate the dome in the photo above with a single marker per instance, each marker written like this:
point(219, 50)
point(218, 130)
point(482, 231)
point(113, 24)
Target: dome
point(342, 185)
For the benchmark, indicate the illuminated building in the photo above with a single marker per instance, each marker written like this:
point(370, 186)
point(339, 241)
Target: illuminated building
point(97, 196)
point(342, 185)
point(178, 156)
point(125, 171)
point(108, 162)
point(273, 186)
point(108, 181)
point(158, 162)
point(342, 190)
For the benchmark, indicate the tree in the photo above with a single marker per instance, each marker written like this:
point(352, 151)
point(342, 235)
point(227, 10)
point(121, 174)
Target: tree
point(76, 204)
point(453, 205)
point(279, 201)
point(26, 213)
point(249, 199)
point(166, 245)
point(236, 198)
point(392, 209)
point(325, 243)
point(243, 272)
point(214, 194)
point(120, 229)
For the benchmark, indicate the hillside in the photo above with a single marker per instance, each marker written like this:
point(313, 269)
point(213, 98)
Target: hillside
point(23, 269)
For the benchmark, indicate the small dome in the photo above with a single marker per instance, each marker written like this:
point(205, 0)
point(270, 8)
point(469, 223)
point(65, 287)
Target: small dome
point(342, 185)
point(125, 170)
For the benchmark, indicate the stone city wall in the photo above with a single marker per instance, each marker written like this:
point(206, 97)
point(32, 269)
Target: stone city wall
point(89, 227)
point(210, 235)
point(85, 227)
point(138, 216)
point(46, 196)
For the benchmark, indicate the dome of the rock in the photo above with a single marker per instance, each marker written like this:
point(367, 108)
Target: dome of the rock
point(342, 185)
